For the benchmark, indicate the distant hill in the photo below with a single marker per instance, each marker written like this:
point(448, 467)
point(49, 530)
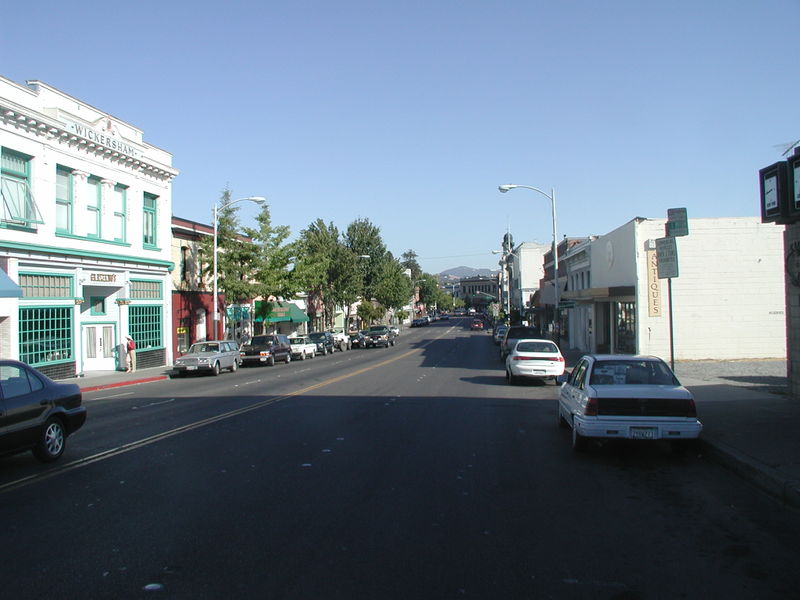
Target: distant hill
point(459, 272)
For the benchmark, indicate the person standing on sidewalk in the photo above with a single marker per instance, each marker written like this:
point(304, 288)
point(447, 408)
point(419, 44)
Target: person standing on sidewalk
point(130, 353)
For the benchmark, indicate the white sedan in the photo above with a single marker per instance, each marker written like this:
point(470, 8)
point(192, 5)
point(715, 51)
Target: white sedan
point(534, 359)
point(302, 348)
point(626, 396)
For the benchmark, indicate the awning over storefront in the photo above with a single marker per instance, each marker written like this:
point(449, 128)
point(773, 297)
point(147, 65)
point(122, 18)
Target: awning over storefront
point(281, 312)
point(8, 289)
point(618, 293)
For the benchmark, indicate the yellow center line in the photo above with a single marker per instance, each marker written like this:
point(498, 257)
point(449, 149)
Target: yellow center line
point(106, 454)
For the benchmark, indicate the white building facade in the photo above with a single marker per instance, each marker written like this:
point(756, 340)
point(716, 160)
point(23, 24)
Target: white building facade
point(728, 301)
point(527, 270)
point(84, 232)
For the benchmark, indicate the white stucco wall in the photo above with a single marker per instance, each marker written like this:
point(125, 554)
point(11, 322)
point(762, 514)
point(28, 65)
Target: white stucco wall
point(728, 300)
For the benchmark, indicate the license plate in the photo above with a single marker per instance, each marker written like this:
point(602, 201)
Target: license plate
point(191, 368)
point(643, 433)
point(538, 371)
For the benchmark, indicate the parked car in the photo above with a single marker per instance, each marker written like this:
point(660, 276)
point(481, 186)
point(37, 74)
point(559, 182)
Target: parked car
point(266, 349)
point(626, 396)
point(394, 329)
point(534, 359)
point(341, 341)
point(209, 357)
point(477, 324)
point(516, 333)
point(323, 340)
point(421, 322)
point(499, 333)
point(302, 347)
point(37, 413)
point(358, 340)
point(381, 335)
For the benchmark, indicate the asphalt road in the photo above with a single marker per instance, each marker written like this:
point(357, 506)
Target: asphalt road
point(408, 472)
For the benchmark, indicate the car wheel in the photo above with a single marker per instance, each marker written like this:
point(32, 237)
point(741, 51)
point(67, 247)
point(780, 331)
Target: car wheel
point(510, 378)
point(579, 443)
point(271, 361)
point(51, 441)
point(288, 358)
point(234, 366)
point(215, 369)
point(303, 355)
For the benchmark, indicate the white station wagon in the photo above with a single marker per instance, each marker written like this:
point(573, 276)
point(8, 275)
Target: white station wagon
point(626, 396)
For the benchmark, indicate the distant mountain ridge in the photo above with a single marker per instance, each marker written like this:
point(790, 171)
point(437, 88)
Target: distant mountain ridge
point(460, 272)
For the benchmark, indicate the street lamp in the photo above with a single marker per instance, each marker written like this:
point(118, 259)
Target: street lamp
point(552, 198)
point(257, 200)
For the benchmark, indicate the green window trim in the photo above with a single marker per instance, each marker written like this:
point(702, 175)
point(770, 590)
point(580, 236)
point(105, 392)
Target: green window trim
point(146, 289)
point(150, 221)
point(18, 207)
point(45, 334)
point(146, 326)
point(95, 210)
point(65, 196)
point(120, 213)
point(92, 239)
point(31, 282)
point(97, 305)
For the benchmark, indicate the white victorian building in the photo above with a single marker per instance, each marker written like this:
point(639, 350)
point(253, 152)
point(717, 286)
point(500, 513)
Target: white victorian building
point(84, 233)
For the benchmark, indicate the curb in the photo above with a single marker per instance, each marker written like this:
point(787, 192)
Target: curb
point(764, 477)
point(94, 388)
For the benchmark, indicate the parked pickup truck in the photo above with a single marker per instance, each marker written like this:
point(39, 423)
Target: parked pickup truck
point(303, 347)
point(380, 335)
point(341, 341)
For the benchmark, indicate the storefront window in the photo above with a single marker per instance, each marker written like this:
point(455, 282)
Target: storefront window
point(45, 335)
point(146, 326)
point(626, 327)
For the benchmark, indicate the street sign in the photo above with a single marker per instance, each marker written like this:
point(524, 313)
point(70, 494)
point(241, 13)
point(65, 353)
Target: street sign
point(566, 304)
point(667, 255)
point(677, 222)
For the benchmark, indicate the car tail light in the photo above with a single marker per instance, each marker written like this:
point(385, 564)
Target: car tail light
point(524, 358)
point(692, 409)
point(560, 359)
point(591, 408)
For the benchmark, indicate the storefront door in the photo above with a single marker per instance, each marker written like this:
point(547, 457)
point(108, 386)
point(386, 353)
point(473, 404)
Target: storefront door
point(99, 352)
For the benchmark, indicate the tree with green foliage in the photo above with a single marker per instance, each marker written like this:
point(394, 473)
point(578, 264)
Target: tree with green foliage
point(364, 240)
point(315, 250)
point(409, 261)
point(393, 288)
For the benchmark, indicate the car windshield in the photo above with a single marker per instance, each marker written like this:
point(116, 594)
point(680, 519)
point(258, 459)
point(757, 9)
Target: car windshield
point(632, 372)
point(261, 340)
point(317, 336)
point(522, 332)
point(295, 341)
point(204, 347)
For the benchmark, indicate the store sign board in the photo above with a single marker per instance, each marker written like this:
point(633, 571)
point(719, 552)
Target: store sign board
point(653, 285)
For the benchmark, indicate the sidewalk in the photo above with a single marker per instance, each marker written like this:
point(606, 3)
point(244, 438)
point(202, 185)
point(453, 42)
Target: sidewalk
point(750, 424)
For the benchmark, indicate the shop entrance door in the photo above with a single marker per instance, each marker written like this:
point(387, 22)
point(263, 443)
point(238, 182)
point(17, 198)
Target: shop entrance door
point(99, 353)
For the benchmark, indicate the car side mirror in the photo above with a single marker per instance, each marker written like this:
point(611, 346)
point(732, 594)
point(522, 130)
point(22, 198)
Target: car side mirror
point(561, 379)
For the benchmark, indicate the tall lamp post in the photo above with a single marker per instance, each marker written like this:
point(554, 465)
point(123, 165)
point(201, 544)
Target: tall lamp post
point(217, 207)
point(552, 198)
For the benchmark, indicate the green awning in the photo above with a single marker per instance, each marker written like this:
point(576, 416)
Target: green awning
point(281, 312)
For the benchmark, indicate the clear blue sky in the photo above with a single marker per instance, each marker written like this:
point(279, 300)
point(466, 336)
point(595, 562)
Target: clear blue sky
point(412, 113)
